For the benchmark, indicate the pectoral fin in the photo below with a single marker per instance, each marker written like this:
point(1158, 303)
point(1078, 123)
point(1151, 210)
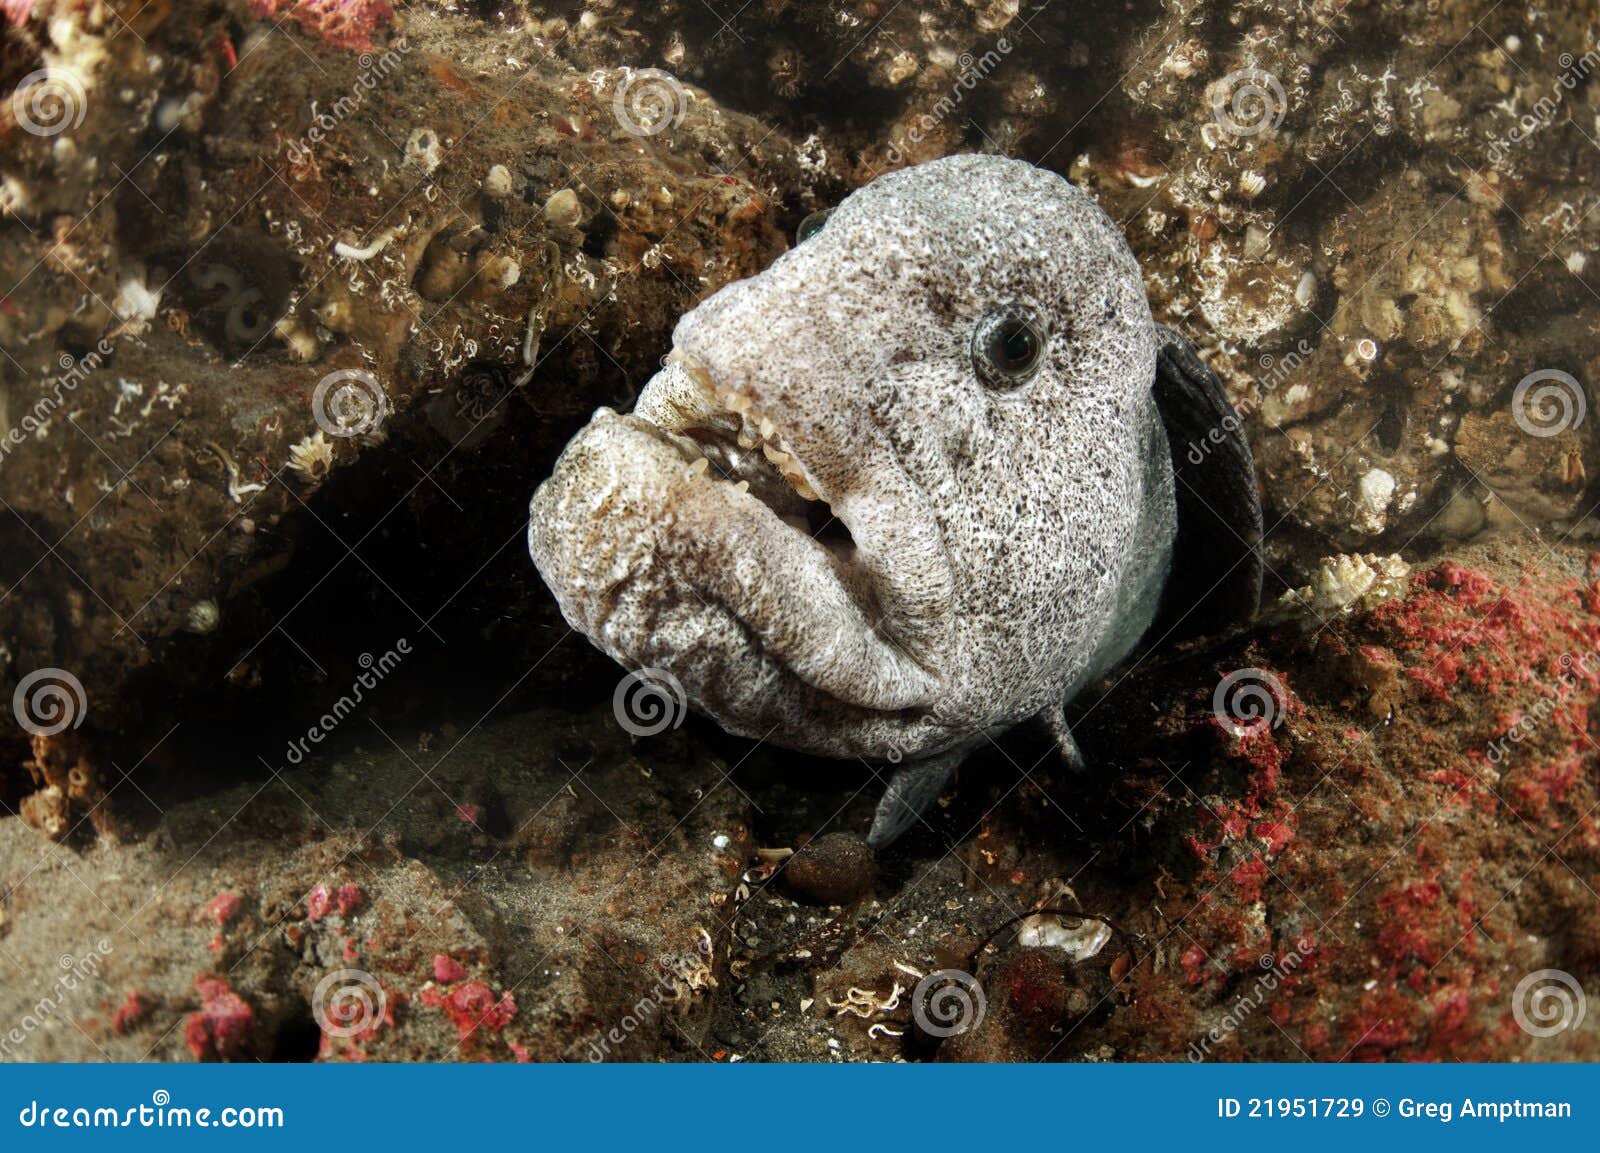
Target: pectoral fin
point(913, 787)
point(1055, 725)
point(1216, 562)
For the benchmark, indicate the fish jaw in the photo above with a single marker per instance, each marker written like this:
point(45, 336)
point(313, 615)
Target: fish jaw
point(639, 536)
point(897, 559)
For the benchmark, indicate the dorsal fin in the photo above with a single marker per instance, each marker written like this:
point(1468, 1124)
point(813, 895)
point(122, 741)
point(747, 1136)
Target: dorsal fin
point(1216, 561)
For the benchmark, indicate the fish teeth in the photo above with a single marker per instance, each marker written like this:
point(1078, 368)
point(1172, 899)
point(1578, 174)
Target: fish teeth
point(764, 428)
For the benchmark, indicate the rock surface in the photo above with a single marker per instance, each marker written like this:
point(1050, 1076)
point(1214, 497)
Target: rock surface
point(1372, 868)
point(514, 892)
point(1359, 838)
point(264, 253)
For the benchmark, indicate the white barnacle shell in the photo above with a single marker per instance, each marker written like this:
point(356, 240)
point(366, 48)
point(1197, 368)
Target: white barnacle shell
point(311, 457)
point(202, 616)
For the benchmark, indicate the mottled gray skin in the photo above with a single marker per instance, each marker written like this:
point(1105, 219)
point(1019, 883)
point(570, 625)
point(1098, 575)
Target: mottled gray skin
point(1009, 545)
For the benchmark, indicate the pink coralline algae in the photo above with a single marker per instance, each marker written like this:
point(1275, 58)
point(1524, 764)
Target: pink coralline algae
point(446, 970)
point(131, 1012)
point(16, 11)
point(345, 24)
point(222, 1026)
point(471, 1006)
point(324, 901)
point(223, 907)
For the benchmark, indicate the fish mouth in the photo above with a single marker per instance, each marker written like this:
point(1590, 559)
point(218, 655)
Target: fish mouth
point(741, 443)
point(701, 503)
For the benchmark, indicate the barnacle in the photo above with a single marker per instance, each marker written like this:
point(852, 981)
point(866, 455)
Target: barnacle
point(202, 616)
point(1345, 584)
point(756, 428)
point(312, 457)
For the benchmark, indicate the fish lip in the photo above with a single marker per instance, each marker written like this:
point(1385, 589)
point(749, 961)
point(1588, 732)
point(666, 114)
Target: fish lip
point(720, 417)
point(859, 572)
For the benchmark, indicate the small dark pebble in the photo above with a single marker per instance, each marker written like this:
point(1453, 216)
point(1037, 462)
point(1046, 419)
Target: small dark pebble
point(834, 869)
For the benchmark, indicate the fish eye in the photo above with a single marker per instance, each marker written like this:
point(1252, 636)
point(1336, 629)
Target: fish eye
point(1007, 348)
point(812, 225)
